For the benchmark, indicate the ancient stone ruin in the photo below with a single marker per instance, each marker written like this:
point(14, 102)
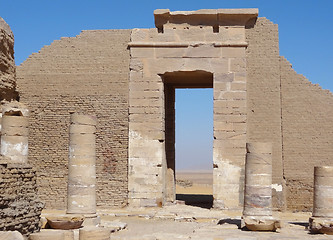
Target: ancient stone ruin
point(127, 79)
point(20, 207)
point(257, 213)
point(322, 215)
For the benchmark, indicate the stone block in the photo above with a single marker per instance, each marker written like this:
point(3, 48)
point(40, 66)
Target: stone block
point(50, 234)
point(65, 222)
point(81, 174)
point(136, 65)
point(84, 139)
point(202, 51)
point(321, 225)
point(142, 52)
point(224, 77)
point(14, 131)
point(94, 233)
point(11, 235)
point(235, 34)
point(193, 64)
point(233, 52)
point(220, 87)
point(82, 129)
point(219, 65)
point(81, 119)
point(139, 35)
point(240, 77)
point(172, 52)
point(222, 135)
point(237, 65)
point(80, 203)
point(193, 33)
point(238, 86)
point(260, 223)
point(14, 121)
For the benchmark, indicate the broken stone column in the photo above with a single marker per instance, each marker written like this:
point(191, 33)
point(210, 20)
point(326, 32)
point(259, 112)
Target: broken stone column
point(257, 212)
point(322, 215)
point(81, 197)
point(14, 132)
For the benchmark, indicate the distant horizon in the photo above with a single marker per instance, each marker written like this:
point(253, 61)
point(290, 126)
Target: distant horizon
point(194, 170)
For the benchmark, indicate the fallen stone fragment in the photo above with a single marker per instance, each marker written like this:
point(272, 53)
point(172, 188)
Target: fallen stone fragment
point(321, 225)
point(114, 226)
point(260, 223)
point(11, 235)
point(65, 222)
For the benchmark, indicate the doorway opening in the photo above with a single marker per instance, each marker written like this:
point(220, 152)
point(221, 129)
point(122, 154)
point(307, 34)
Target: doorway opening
point(189, 137)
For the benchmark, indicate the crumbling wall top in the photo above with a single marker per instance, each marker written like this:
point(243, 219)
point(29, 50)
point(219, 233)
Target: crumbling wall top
point(204, 17)
point(5, 27)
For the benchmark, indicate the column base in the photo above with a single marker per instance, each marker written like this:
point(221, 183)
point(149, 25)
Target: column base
point(321, 225)
point(91, 220)
point(260, 223)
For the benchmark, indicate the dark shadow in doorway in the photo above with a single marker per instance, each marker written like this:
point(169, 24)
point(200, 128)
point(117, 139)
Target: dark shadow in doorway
point(197, 200)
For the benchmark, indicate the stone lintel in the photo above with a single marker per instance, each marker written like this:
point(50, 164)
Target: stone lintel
point(204, 17)
point(186, 44)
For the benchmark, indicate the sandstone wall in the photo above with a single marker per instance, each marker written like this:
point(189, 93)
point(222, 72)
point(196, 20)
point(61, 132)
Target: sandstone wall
point(7, 63)
point(89, 74)
point(263, 95)
point(20, 208)
point(307, 124)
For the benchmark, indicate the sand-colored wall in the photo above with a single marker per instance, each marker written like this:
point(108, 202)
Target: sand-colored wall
point(307, 124)
point(89, 74)
point(263, 95)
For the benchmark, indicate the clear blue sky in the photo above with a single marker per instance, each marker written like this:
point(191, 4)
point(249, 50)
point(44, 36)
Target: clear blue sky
point(305, 31)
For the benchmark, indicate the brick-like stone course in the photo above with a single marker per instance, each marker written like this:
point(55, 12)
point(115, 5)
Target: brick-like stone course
point(20, 207)
point(307, 117)
point(263, 92)
point(89, 74)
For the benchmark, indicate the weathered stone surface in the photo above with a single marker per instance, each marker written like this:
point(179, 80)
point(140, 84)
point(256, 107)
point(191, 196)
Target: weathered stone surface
point(321, 225)
point(82, 165)
point(15, 108)
point(258, 180)
point(11, 235)
point(14, 138)
point(113, 226)
point(96, 233)
point(50, 234)
point(260, 223)
point(20, 205)
point(322, 214)
point(65, 222)
point(323, 192)
point(207, 17)
point(7, 63)
point(196, 62)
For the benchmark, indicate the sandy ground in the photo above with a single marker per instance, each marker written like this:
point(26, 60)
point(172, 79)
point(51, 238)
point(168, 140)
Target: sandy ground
point(198, 182)
point(179, 221)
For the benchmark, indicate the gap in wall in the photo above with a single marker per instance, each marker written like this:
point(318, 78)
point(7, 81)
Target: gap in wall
point(194, 146)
